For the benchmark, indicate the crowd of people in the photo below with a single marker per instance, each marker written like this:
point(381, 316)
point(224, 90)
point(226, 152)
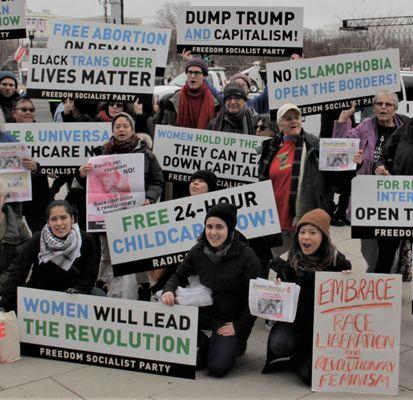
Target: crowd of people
point(59, 255)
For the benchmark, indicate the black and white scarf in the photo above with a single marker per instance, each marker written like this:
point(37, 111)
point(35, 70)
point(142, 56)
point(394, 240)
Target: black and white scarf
point(62, 252)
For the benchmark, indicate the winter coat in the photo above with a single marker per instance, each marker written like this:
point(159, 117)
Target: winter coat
point(224, 123)
point(366, 131)
point(81, 276)
point(397, 153)
point(313, 192)
point(304, 319)
point(228, 279)
point(169, 108)
point(10, 244)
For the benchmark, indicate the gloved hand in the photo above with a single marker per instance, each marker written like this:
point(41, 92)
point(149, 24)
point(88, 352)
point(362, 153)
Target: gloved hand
point(72, 291)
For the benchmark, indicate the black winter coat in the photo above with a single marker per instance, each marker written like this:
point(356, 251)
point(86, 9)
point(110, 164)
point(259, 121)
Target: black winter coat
point(81, 276)
point(397, 153)
point(304, 319)
point(228, 279)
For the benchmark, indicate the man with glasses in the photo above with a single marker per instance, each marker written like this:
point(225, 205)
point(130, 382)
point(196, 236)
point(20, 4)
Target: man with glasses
point(235, 116)
point(373, 133)
point(194, 105)
point(8, 93)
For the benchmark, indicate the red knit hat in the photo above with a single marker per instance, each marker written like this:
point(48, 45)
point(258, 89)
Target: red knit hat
point(318, 218)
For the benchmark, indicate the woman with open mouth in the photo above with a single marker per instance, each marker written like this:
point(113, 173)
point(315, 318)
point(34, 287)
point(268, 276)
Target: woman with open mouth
point(290, 345)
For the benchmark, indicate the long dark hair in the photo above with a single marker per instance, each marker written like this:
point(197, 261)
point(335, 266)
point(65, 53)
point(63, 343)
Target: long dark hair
point(59, 203)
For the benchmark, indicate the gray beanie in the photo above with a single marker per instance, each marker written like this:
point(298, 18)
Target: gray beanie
point(9, 74)
point(125, 115)
point(197, 62)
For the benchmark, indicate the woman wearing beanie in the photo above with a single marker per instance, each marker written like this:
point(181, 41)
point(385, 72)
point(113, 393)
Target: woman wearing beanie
point(123, 141)
point(225, 264)
point(291, 344)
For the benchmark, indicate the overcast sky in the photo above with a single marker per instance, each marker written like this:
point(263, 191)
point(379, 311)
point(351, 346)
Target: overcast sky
point(317, 13)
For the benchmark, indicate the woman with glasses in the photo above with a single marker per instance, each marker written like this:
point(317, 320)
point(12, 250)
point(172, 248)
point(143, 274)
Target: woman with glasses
point(373, 133)
point(266, 127)
point(24, 111)
point(290, 160)
point(109, 110)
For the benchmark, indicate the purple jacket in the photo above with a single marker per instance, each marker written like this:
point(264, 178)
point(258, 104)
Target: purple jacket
point(366, 131)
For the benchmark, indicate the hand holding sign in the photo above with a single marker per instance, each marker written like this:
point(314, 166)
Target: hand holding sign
point(345, 115)
point(168, 298)
point(381, 170)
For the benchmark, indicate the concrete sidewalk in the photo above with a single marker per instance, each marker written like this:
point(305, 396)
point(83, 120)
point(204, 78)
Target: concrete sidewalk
point(37, 378)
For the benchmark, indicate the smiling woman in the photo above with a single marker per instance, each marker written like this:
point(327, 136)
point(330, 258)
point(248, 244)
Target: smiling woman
point(60, 258)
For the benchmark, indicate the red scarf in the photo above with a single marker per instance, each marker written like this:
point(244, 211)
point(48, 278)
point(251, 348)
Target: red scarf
point(196, 109)
point(104, 116)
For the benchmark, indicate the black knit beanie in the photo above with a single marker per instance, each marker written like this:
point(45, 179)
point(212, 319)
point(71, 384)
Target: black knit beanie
point(9, 74)
point(208, 176)
point(226, 212)
point(235, 89)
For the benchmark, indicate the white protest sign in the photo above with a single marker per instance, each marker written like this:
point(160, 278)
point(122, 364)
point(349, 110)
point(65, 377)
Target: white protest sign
point(100, 75)
point(17, 178)
point(61, 148)
point(232, 157)
point(108, 332)
point(158, 235)
point(381, 206)
point(115, 182)
point(12, 19)
point(338, 154)
point(249, 31)
point(323, 84)
point(356, 342)
point(97, 36)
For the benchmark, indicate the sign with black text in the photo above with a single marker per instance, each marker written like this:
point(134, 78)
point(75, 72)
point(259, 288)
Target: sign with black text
point(329, 83)
point(12, 19)
point(61, 148)
point(248, 31)
point(232, 157)
point(159, 235)
point(382, 206)
point(65, 34)
point(100, 75)
point(108, 332)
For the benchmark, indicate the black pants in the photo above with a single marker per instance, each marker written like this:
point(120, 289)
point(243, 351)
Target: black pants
point(222, 352)
point(339, 182)
point(387, 251)
point(284, 343)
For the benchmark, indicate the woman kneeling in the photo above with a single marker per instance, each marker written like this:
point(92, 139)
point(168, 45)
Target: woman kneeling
point(291, 344)
point(225, 264)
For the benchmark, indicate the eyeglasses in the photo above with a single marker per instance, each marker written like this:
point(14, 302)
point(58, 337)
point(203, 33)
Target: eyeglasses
point(261, 127)
point(118, 105)
point(383, 103)
point(292, 118)
point(26, 109)
point(195, 73)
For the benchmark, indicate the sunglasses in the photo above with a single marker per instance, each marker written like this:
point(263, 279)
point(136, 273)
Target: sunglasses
point(118, 105)
point(26, 109)
point(261, 127)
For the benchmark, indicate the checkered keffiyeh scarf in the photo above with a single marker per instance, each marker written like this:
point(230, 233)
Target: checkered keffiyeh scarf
point(62, 252)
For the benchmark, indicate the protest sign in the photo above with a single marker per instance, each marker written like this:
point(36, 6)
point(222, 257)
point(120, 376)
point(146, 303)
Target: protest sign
point(249, 31)
point(381, 206)
point(232, 157)
point(329, 83)
point(158, 235)
point(61, 148)
point(356, 342)
point(88, 35)
point(338, 154)
point(273, 301)
point(12, 19)
point(108, 332)
point(17, 179)
point(100, 75)
point(115, 182)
